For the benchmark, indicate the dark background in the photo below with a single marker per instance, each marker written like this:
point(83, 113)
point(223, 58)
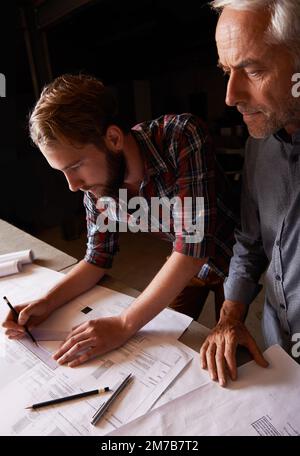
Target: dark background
point(159, 56)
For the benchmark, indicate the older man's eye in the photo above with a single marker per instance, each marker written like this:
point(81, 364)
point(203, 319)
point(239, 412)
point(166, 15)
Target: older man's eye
point(254, 74)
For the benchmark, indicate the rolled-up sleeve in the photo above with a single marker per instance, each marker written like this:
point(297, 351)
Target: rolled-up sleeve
point(249, 259)
point(101, 246)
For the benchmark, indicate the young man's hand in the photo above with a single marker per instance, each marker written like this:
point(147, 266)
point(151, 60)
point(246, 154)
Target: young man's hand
point(30, 314)
point(92, 338)
point(218, 352)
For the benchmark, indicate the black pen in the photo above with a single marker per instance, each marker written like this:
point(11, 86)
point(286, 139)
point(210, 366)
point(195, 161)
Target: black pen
point(68, 398)
point(17, 315)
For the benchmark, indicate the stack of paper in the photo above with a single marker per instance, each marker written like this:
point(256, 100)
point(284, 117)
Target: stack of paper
point(262, 402)
point(29, 375)
point(154, 364)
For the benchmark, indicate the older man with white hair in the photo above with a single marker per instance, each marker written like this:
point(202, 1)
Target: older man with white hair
point(258, 44)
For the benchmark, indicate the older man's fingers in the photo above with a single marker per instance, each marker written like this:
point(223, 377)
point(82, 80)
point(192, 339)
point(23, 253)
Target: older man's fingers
point(211, 361)
point(230, 357)
point(220, 363)
point(256, 353)
point(203, 350)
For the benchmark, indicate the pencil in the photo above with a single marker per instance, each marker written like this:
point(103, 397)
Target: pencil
point(17, 315)
point(68, 398)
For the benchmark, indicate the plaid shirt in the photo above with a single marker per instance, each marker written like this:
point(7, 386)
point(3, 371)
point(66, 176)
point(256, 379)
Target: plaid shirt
point(179, 162)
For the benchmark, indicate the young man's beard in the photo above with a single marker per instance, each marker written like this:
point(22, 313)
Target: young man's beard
point(116, 169)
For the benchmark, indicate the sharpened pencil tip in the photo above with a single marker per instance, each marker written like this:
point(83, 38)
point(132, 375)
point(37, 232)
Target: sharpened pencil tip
point(28, 407)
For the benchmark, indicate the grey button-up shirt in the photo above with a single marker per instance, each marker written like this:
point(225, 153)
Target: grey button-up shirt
point(270, 237)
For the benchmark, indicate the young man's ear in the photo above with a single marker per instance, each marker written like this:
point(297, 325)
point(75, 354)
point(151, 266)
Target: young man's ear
point(114, 138)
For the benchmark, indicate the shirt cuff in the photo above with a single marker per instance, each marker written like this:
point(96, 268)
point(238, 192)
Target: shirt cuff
point(101, 261)
point(204, 248)
point(239, 289)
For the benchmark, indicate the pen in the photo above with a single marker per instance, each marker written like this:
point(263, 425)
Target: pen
point(104, 407)
point(68, 398)
point(17, 315)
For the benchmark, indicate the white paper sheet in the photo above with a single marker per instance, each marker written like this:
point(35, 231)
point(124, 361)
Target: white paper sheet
point(260, 402)
point(154, 362)
point(35, 281)
point(190, 378)
point(14, 362)
point(39, 351)
point(48, 334)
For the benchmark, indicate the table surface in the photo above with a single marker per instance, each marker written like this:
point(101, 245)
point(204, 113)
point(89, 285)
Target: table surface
point(13, 239)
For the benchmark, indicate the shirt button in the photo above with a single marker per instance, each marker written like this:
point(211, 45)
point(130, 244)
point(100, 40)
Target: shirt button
point(286, 333)
point(282, 306)
point(278, 243)
point(278, 277)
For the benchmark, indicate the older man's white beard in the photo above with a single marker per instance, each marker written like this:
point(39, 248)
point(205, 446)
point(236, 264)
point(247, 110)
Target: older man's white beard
point(276, 121)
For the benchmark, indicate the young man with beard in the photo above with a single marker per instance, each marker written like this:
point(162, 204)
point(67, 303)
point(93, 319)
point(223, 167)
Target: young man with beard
point(76, 127)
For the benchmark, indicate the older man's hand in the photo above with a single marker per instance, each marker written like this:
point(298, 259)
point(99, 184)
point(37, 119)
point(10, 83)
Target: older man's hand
point(218, 352)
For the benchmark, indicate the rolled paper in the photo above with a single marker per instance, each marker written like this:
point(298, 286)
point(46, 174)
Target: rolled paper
point(10, 267)
point(24, 256)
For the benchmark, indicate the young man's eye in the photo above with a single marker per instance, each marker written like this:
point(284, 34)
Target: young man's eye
point(76, 166)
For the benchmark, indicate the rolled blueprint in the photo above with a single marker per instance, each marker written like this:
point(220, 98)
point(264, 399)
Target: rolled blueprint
point(24, 256)
point(10, 267)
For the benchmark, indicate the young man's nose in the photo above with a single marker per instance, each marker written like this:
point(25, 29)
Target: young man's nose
point(75, 183)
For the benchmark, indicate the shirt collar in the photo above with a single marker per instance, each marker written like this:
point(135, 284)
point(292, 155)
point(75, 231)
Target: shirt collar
point(283, 136)
point(296, 137)
point(154, 163)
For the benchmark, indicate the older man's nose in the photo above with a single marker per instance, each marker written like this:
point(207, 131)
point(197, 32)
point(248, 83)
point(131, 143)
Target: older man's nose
point(236, 90)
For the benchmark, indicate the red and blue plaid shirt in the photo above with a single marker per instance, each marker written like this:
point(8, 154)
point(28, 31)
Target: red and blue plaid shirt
point(179, 162)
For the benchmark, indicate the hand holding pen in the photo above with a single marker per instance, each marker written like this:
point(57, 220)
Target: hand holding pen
point(16, 316)
point(30, 314)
